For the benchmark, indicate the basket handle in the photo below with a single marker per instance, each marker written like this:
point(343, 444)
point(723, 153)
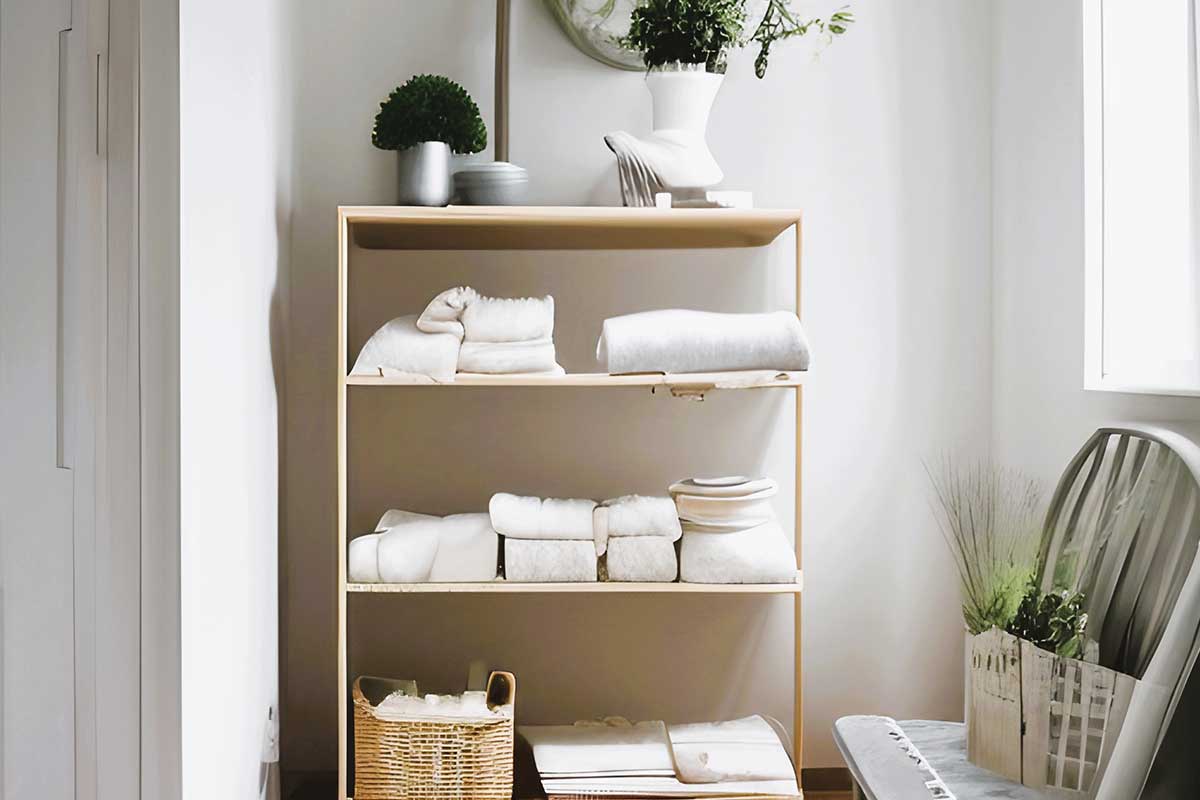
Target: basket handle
point(501, 689)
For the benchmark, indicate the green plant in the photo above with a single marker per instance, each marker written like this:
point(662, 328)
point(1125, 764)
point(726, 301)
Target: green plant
point(990, 519)
point(429, 108)
point(1054, 621)
point(705, 31)
point(686, 31)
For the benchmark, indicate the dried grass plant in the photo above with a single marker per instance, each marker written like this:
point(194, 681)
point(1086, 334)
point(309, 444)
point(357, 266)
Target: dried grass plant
point(991, 518)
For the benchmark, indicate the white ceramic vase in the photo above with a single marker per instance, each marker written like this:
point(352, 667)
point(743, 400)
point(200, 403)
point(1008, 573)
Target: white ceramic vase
point(424, 178)
point(675, 157)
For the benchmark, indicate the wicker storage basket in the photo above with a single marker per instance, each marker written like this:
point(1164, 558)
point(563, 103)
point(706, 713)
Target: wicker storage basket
point(432, 759)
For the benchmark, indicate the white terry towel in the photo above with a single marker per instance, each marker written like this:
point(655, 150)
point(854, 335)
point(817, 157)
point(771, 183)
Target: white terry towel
point(400, 347)
point(680, 340)
point(412, 548)
point(745, 749)
point(756, 555)
point(468, 550)
point(635, 515)
point(537, 561)
point(470, 316)
point(505, 358)
point(363, 559)
point(534, 518)
point(642, 558)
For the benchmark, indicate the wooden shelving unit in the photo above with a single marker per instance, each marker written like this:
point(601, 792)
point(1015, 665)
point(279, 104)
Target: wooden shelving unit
point(538, 229)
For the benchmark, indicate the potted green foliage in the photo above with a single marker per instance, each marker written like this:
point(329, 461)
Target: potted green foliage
point(424, 120)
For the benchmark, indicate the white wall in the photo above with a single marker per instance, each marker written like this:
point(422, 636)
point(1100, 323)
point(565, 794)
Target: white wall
point(234, 152)
point(1042, 415)
point(885, 143)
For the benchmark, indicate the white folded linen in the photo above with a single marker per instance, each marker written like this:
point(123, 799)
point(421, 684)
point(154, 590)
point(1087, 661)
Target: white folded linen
point(725, 513)
point(596, 749)
point(400, 347)
point(468, 550)
point(540, 561)
point(520, 517)
point(505, 358)
point(681, 340)
point(363, 561)
point(415, 548)
point(444, 312)
point(728, 486)
point(757, 555)
point(745, 749)
point(642, 558)
point(508, 319)
point(635, 515)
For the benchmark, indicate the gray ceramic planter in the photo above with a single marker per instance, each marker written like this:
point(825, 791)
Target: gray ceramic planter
point(425, 175)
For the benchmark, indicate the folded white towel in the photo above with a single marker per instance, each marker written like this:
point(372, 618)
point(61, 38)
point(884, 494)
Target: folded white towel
point(757, 555)
point(414, 548)
point(444, 312)
point(680, 340)
point(635, 515)
point(745, 749)
point(400, 347)
point(506, 358)
point(597, 750)
point(642, 558)
point(535, 561)
point(508, 319)
point(534, 518)
point(725, 513)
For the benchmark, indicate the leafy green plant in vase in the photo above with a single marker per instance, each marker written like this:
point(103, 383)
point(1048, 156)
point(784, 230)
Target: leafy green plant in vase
point(424, 120)
point(685, 45)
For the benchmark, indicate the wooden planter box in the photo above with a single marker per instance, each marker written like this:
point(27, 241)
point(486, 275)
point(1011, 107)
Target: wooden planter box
point(1048, 722)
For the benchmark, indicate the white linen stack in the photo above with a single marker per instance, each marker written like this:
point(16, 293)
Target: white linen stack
point(545, 540)
point(638, 534)
point(650, 759)
point(730, 534)
point(681, 340)
point(407, 547)
point(461, 331)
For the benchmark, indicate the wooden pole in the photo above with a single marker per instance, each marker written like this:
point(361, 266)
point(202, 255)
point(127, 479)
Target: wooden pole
point(503, 13)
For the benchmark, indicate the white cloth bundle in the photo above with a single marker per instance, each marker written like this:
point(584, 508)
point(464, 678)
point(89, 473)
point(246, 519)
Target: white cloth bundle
point(635, 515)
point(642, 558)
point(745, 749)
point(416, 548)
point(755, 555)
point(498, 335)
point(507, 358)
point(549, 561)
point(680, 340)
point(700, 510)
point(520, 517)
point(597, 750)
point(400, 347)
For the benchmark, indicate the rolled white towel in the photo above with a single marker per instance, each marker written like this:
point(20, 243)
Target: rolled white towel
point(408, 547)
point(534, 561)
point(635, 515)
point(508, 319)
point(407, 551)
point(507, 358)
point(745, 749)
point(642, 558)
point(756, 555)
point(520, 517)
point(363, 561)
point(681, 340)
point(400, 347)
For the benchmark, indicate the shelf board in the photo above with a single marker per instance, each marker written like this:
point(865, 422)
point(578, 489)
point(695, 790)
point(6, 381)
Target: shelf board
point(506, 587)
point(562, 228)
point(692, 382)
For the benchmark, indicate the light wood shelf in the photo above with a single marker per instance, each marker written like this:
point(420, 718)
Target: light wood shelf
point(598, 587)
point(562, 228)
point(753, 379)
point(541, 229)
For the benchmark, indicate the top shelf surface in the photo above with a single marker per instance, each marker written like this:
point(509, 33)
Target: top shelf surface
point(562, 228)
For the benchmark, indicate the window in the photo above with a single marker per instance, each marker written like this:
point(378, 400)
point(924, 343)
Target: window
point(1141, 164)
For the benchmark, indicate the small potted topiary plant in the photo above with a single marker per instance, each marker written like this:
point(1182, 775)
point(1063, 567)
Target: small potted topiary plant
point(424, 120)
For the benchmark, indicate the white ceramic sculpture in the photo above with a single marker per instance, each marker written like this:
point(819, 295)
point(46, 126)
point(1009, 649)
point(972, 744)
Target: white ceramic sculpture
point(674, 157)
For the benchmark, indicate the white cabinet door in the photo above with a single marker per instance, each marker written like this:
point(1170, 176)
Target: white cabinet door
point(37, 688)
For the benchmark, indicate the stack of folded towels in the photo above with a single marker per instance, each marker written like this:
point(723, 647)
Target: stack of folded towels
point(553, 540)
point(730, 534)
point(681, 340)
point(461, 331)
point(742, 757)
point(407, 547)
